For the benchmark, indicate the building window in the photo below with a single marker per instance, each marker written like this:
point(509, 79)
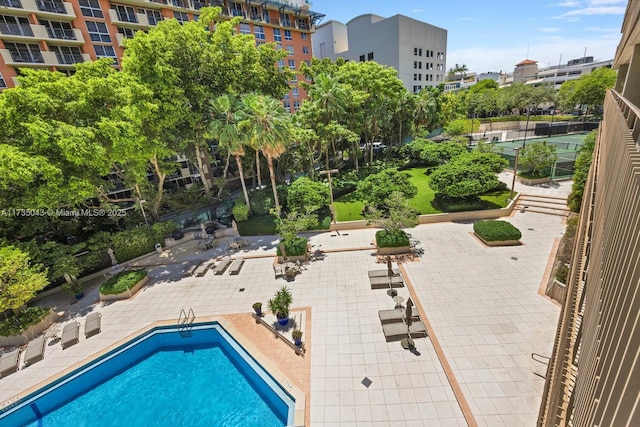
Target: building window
point(281, 63)
point(21, 52)
point(260, 43)
point(291, 63)
point(154, 16)
point(285, 20)
point(303, 36)
point(296, 105)
point(370, 56)
point(306, 61)
point(419, 65)
point(305, 49)
point(125, 13)
point(182, 17)
point(415, 65)
point(285, 97)
point(105, 52)
point(258, 30)
point(295, 92)
point(278, 46)
point(245, 28)
point(290, 49)
point(287, 35)
point(236, 9)
point(58, 30)
point(294, 79)
point(303, 23)
point(277, 35)
point(98, 32)
point(67, 55)
point(361, 58)
point(255, 13)
point(415, 89)
point(3, 84)
point(286, 104)
point(91, 8)
point(127, 32)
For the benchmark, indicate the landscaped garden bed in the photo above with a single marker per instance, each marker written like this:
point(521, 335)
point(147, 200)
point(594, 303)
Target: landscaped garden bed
point(19, 329)
point(123, 285)
point(497, 233)
point(392, 243)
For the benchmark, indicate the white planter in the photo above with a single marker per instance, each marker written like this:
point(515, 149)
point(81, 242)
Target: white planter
point(533, 181)
point(126, 294)
point(394, 251)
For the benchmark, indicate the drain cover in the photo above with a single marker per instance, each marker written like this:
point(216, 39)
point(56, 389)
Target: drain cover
point(366, 382)
point(241, 290)
point(515, 258)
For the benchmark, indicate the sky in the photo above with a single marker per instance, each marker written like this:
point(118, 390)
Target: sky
point(494, 35)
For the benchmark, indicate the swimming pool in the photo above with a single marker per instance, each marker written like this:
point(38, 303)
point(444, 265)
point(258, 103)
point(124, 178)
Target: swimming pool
point(162, 378)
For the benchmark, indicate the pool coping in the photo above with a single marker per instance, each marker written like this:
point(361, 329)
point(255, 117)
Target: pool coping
point(271, 369)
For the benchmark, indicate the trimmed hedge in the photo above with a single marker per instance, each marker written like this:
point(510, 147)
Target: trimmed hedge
point(385, 239)
point(122, 281)
point(295, 247)
point(496, 231)
point(15, 324)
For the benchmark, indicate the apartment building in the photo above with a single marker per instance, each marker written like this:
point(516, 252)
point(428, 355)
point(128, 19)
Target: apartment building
point(417, 50)
point(57, 34)
point(593, 377)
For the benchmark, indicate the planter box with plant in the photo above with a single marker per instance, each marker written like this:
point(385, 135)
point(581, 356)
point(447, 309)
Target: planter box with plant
point(297, 337)
point(257, 307)
point(497, 233)
point(123, 285)
point(280, 303)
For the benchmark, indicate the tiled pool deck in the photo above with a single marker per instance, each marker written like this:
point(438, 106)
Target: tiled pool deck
point(481, 303)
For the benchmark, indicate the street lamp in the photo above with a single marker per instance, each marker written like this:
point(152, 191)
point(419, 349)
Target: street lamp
point(328, 172)
point(515, 171)
point(526, 128)
point(144, 215)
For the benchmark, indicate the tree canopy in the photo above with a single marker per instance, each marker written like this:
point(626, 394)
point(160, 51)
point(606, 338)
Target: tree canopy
point(376, 188)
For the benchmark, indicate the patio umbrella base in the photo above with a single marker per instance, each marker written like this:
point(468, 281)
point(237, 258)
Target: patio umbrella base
point(407, 343)
point(392, 293)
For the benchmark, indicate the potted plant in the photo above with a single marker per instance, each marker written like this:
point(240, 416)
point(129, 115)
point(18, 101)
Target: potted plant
point(297, 337)
point(257, 307)
point(279, 305)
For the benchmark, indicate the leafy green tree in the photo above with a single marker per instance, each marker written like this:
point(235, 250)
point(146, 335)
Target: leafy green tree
point(434, 154)
point(581, 171)
point(591, 88)
point(459, 127)
point(376, 188)
point(306, 195)
point(468, 175)
point(20, 280)
point(536, 157)
point(396, 215)
point(426, 109)
point(240, 211)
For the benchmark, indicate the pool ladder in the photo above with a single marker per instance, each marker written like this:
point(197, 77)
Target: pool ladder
point(185, 322)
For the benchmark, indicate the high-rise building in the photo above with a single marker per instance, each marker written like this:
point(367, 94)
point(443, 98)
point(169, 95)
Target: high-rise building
point(593, 378)
point(417, 50)
point(56, 34)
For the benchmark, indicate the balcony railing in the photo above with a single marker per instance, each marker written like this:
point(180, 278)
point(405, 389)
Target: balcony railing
point(237, 12)
point(159, 1)
point(11, 3)
point(61, 33)
point(179, 3)
point(197, 5)
point(27, 57)
point(16, 29)
point(69, 58)
point(51, 6)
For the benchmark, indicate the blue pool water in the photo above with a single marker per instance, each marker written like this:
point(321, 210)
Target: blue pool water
point(162, 379)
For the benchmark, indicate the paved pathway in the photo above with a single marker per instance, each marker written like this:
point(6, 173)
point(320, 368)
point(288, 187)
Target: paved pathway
point(482, 303)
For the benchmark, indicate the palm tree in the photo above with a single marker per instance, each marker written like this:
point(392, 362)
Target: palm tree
point(228, 113)
point(268, 126)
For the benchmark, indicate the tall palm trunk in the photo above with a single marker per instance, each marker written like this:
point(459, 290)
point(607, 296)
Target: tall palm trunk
point(273, 185)
point(244, 186)
point(258, 169)
point(205, 183)
point(224, 175)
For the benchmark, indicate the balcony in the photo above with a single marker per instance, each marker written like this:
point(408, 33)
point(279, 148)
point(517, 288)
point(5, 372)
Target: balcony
point(136, 20)
point(183, 4)
point(13, 7)
point(62, 36)
point(67, 60)
point(58, 11)
point(29, 59)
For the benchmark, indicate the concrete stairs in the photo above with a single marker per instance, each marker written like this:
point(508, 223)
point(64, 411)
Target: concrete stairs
point(550, 205)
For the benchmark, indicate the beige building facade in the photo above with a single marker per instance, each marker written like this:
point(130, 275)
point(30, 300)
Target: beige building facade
point(593, 377)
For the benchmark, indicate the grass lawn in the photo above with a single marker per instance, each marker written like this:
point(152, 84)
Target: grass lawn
point(349, 207)
point(258, 226)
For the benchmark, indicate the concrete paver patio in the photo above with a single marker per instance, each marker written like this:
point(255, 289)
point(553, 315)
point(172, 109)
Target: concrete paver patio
point(482, 303)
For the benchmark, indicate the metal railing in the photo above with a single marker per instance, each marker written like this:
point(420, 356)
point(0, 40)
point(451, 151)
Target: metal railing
point(51, 6)
point(11, 3)
point(16, 29)
point(69, 58)
point(185, 322)
point(27, 57)
point(61, 33)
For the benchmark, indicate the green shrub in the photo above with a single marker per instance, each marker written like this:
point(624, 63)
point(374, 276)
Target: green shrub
point(163, 229)
point(15, 324)
point(386, 239)
point(496, 231)
point(240, 211)
point(122, 281)
point(562, 273)
point(294, 247)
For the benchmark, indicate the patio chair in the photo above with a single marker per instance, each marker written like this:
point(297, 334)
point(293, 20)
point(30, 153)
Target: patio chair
point(222, 266)
point(35, 350)
point(278, 271)
point(70, 334)
point(236, 265)
point(395, 315)
point(385, 282)
point(397, 331)
point(93, 325)
point(9, 363)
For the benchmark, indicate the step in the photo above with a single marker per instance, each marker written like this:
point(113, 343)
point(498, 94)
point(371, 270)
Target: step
point(548, 211)
point(541, 204)
point(541, 196)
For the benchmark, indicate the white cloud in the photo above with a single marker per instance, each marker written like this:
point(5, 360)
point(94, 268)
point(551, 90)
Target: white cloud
point(548, 29)
point(567, 3)
point(463, 19)
point(597, 10)
point(606, 2)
